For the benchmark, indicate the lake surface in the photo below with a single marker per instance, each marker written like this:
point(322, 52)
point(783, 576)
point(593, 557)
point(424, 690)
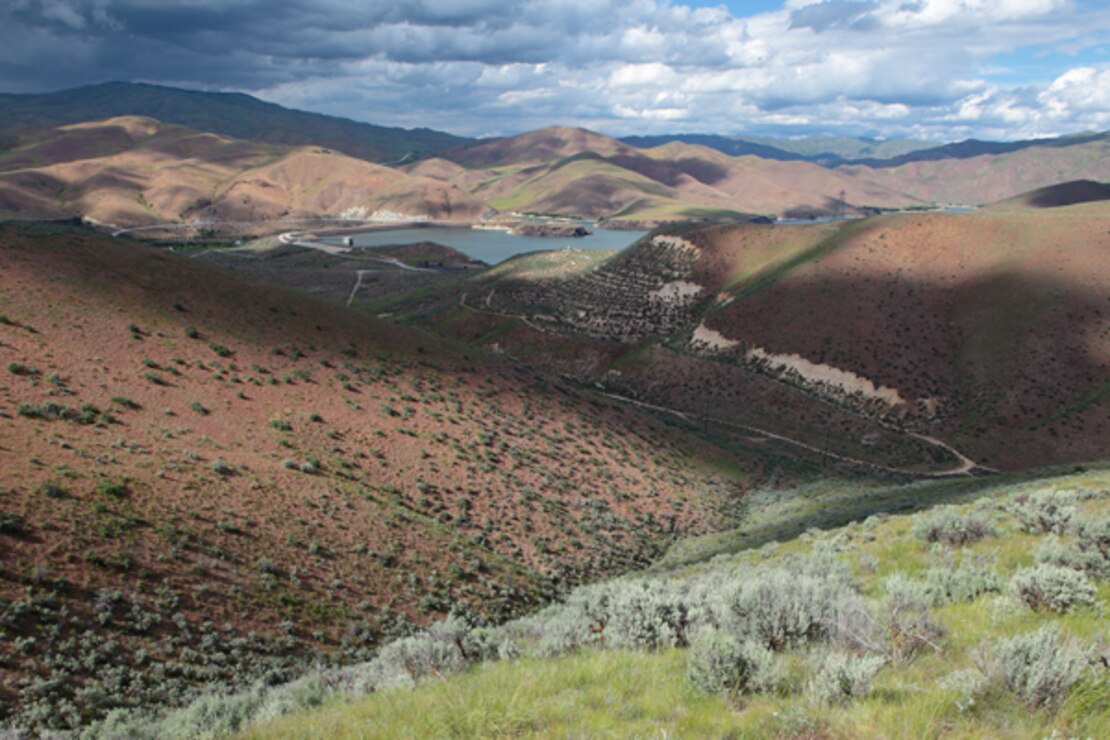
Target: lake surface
point(489, 246)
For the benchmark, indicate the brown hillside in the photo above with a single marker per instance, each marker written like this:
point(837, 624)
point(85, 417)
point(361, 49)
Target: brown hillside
point(576, 172)
point(992, 177)
point(988, 330)
point(992, 330)
point(134, 171)
point(231, 457)
point(435, 168)
point(542, 145)
point(311, 182)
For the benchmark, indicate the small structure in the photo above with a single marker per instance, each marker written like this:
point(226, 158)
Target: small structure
point(348, 241)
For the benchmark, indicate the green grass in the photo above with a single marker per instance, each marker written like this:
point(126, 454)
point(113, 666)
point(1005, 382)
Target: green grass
point(570, 697)
point(783, 514)
point(614, 693)
point(633, 694)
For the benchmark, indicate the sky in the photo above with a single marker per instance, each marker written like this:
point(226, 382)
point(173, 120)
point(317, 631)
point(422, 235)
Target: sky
point(941, 70)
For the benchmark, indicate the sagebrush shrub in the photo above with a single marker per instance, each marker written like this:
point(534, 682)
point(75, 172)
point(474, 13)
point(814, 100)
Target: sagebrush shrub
point(1044, 511)
point(295, 696)
point(564, 632)
point(1053, 588)
point(1076, 556)
point(1094, 536)
point(646, 615)
point(948, 526)
point(211, 716)
point(1039, 666)
point(901, 587)
point(418, 657)
point(968, 580)
point(820, 562)
point(721, 663)
point(842, 676)
point(780, 609)
point(488, 643)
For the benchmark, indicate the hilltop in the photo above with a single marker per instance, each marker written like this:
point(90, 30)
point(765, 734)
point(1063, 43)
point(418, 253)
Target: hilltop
point(820, 149)
point(831, 151)
point(575, 172)
point(194, 459)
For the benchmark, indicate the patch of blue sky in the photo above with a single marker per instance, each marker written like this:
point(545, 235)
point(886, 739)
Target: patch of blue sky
point(1040, 64)
point(738, 8)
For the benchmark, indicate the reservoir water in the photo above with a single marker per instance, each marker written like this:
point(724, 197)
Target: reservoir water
point(489, 246)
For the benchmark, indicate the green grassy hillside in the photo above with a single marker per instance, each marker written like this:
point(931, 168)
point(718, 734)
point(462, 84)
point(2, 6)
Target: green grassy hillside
point(984, 619)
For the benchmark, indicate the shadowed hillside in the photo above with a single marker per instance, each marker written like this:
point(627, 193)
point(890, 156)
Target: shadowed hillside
point(193, 458)
point(989, 330)
point(1057, 196)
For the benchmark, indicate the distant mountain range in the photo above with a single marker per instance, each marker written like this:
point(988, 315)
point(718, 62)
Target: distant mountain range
point(572, 171)
point(229, 114)
point(568, 171)
point(134, 154)
point(244, 117)
point(821, 149)
point(836, 150)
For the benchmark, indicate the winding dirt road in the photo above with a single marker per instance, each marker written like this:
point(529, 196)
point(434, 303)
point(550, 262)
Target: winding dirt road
point(966, 467)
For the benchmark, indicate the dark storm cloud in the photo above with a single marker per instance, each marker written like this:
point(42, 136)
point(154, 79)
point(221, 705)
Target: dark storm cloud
point(170, 40)
point(486, 66)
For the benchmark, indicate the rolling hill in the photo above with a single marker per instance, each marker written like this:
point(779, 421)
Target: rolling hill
point(1057, 196)
point(233, 115)
point(208, 480)
point(575, 172)
point(134, 171)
